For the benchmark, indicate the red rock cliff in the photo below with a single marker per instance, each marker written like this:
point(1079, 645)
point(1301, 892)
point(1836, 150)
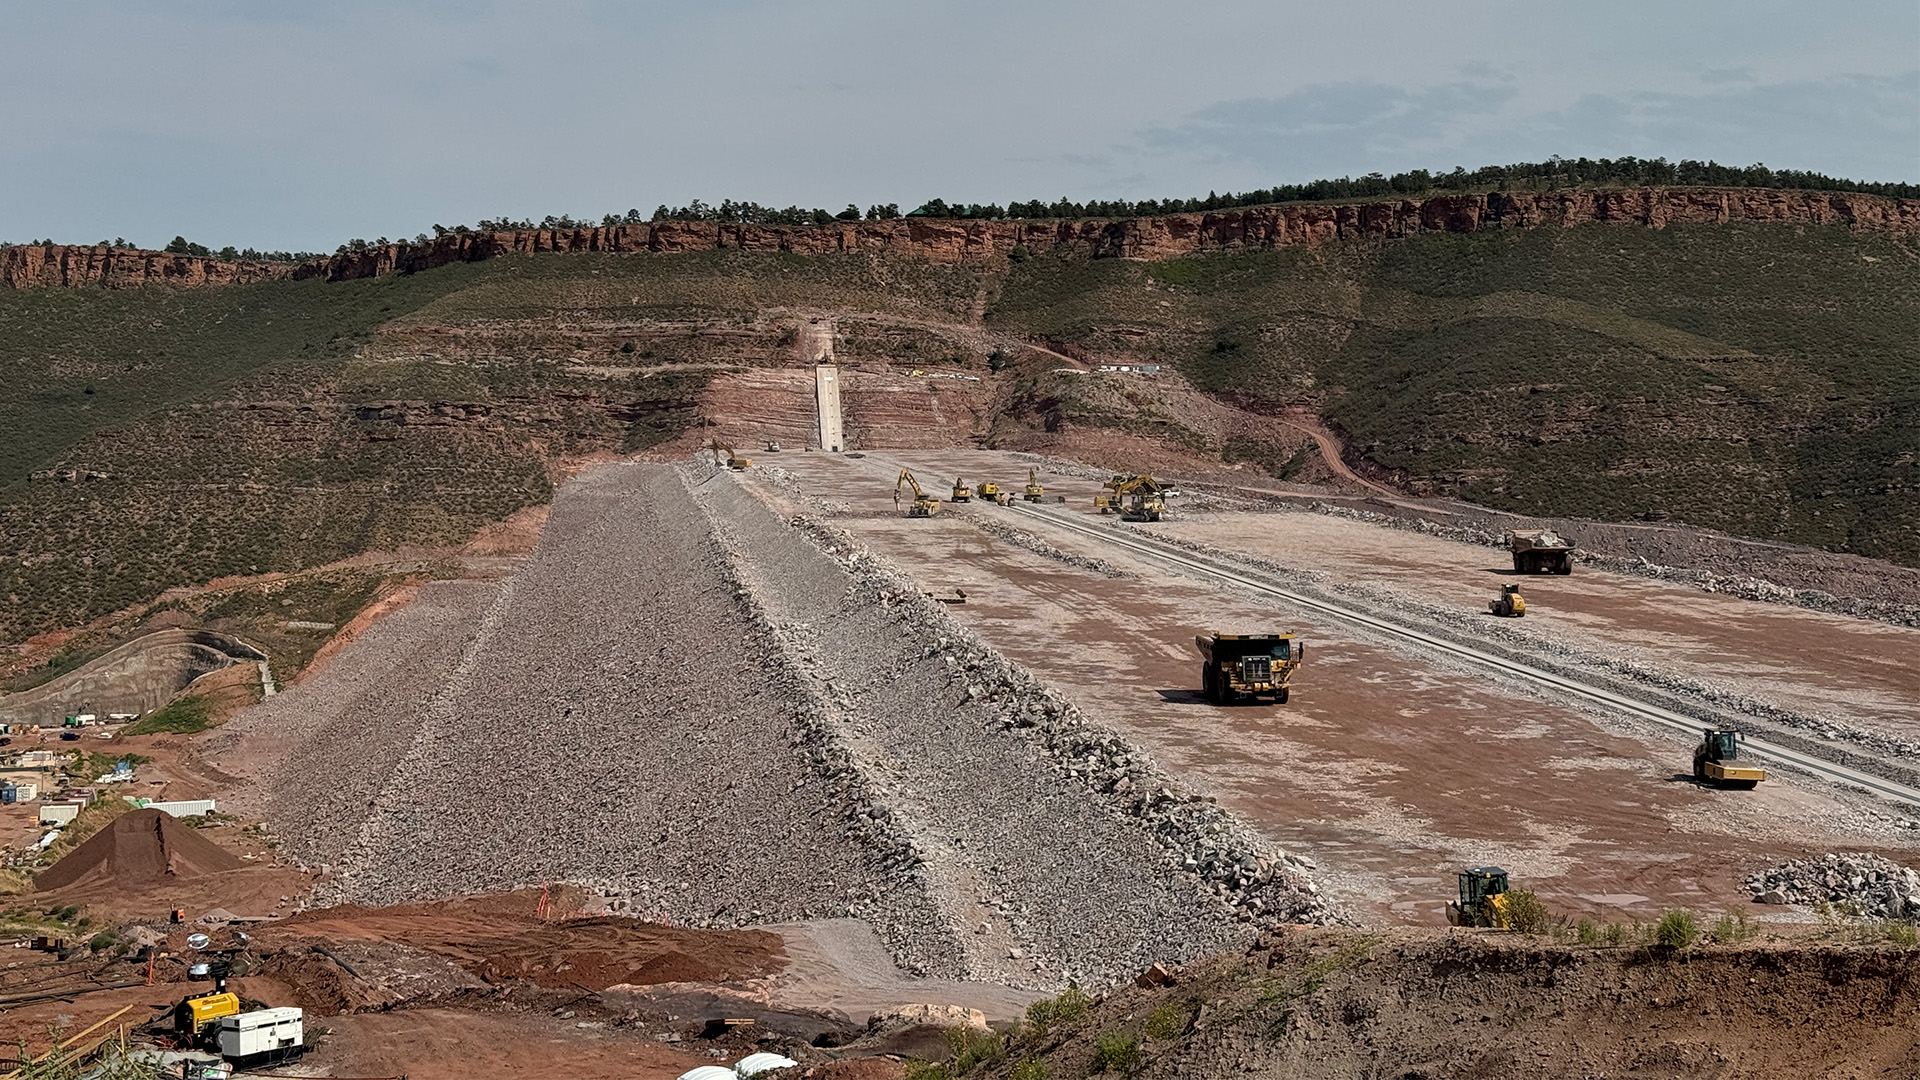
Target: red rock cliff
point(947, 241)
point(1162, 237)
point(57, 265)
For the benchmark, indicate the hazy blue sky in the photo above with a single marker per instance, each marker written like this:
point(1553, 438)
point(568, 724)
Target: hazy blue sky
point(299, 125)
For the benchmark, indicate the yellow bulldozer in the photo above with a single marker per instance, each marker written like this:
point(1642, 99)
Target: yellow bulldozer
point(1134, 498)
point(961, 492)
point(1483, 899)
point(923, 504)
point(1034, 490)
point(1510, 604)
point(1717, 761)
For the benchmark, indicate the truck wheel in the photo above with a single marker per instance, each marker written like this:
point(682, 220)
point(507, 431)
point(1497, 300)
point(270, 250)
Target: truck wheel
point(1280, 698)
point(1699, 772)
point(1209, 688)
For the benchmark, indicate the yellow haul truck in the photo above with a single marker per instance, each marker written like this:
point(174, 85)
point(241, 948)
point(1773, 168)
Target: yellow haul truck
point(1241, 666)
point(1717, 761)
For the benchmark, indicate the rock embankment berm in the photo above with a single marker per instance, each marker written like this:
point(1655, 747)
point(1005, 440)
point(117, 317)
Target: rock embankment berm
point(712, 714)
point(333, 740)
point(1021, 538)
point(612, 719)
point(1036, 828)
point(1857, 883)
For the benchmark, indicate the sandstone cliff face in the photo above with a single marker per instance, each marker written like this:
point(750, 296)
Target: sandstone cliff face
point(1161, 237)
point(954, 241)
point(62, 266)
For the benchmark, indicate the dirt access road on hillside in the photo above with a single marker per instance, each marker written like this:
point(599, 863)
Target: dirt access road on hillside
point(1391, 768)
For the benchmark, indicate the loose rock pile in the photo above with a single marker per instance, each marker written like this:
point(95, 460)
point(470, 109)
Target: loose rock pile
point(1203, 840)
point(1021, 538)
point(1857, 882)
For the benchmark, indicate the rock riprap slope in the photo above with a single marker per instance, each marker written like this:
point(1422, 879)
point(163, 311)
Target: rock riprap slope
point(719, 715)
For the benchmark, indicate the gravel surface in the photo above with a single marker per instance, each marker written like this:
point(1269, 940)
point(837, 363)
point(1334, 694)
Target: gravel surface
point(1860, 883)
point(1719, 705)
point(715, 715)
point(344, 730)
point(614, 722)
point(1021, 538)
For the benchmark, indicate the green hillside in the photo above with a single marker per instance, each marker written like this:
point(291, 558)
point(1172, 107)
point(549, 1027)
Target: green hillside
point(1760, 379)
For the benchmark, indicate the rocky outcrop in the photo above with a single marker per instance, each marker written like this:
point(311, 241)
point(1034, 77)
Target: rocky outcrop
point(28, 266)
point(955, 241)
point(1160, 237)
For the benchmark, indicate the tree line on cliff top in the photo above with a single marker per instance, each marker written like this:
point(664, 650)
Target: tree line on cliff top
point(1553, 173)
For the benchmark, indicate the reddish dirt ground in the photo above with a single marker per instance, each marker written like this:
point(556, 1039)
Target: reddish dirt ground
point(1388, 769)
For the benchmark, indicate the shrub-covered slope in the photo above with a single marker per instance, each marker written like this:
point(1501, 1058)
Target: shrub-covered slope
point(1760, 379)
point(1763, 379)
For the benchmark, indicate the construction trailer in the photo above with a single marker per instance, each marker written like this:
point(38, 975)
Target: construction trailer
point(1248, 667)
point(1540, 551)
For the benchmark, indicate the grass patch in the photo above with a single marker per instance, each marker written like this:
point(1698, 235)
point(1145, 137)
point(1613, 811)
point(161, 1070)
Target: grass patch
point(181, 716)
point(1116, 1051)
point(1676, 930)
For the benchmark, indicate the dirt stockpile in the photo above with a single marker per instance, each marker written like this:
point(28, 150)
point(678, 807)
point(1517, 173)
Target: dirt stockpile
point(139, 848)
point(502, 939)
point(1322, 1004)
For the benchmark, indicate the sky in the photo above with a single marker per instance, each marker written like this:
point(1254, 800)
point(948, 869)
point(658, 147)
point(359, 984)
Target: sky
point(296, 126)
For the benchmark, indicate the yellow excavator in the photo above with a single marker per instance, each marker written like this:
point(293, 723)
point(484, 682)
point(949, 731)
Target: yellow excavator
point(1134, 498)
point(923, 504)
point(1483, 899)
point(961, 492)
point(990, 490)
point(1034, 491)
point(733, 461)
